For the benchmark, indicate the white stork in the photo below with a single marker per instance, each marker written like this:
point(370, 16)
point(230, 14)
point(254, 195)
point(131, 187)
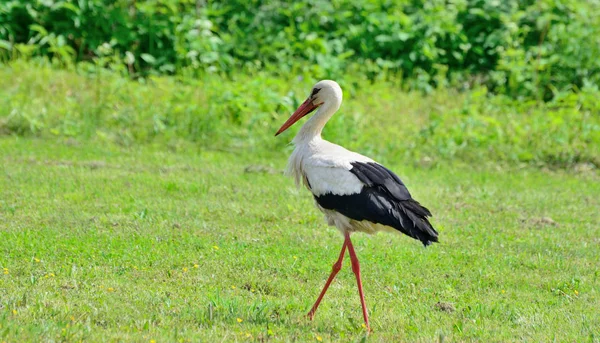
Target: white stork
point(354, 192)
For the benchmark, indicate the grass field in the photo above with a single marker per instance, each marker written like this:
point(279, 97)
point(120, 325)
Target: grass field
point(242, 113)
point(156, 244)
point(141, 189)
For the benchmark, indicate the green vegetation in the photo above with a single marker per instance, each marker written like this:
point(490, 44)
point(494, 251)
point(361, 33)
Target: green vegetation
point(154, 209)
point(521, 48)
point(244, 113)
point(141, 197)
point(105, 243)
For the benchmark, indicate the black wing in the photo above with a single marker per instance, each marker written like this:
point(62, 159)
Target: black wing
point(383, 200)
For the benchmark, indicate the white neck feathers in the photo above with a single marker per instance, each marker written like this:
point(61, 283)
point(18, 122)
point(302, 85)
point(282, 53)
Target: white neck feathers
point(314, 126)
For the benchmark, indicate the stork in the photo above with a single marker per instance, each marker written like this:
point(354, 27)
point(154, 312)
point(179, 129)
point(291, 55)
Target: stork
point(355, 193)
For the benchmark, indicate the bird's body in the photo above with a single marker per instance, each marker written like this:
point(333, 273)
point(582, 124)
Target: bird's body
point(354, 192)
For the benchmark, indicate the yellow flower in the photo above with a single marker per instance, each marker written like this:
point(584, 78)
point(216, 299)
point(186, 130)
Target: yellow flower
point(215, 247)
point(576, 292)
point(36, 259)
point(503, 291)
point(5, 270)
point(196, 266)
point(14, 311)
point(232, 287)
point(185, 269)
point(152, 341)
point(52, 275)
point(72, 318)
point(295, 257)
point(239, 320)
point(319, 339)
point(110, 289)
point(248, 335)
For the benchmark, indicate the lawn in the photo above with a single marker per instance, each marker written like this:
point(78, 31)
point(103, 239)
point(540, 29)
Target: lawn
point(142, 197)
point(163, 243)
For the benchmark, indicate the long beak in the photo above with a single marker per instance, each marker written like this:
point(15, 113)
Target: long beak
point(304, 109)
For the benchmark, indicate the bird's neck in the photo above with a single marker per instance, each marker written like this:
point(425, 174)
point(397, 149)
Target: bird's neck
point(312, 129)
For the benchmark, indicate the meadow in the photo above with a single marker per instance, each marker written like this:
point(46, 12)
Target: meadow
point(104, 243)
point(119, 230)
point(142, 195)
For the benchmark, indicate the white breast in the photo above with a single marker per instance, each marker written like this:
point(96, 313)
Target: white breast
point(324, 167)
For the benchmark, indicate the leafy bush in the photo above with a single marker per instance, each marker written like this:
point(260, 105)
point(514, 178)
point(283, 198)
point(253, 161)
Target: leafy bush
point(519, 48)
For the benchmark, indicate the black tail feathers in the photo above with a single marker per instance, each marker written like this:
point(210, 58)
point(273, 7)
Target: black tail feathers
point(414, 222)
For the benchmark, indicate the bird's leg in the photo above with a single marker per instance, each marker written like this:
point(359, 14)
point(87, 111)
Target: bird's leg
point(356, 270)
point(334, 270)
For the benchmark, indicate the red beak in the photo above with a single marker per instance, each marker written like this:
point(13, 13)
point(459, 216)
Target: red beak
point(304, 109)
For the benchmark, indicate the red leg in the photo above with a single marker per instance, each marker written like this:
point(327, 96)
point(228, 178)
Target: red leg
point(356, 270)
point(334, 270)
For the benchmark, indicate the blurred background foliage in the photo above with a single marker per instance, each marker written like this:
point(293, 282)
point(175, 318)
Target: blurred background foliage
point(522, 48)
point(475, 80)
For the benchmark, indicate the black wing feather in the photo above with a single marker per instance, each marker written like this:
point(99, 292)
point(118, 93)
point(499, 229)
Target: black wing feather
point(383, 200)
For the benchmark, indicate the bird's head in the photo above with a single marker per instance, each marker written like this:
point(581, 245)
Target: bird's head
point(323, 92)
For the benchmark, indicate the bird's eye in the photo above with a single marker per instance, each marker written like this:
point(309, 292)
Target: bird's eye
point(314, 92)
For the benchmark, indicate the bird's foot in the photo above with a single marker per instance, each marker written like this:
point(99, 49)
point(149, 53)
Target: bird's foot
point(311, 315)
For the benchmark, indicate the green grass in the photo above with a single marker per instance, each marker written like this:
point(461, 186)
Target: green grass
point(108, 243)
point(156, 210)
point(242, 112)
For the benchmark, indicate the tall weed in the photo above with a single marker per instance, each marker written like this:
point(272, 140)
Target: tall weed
point(380, 119)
